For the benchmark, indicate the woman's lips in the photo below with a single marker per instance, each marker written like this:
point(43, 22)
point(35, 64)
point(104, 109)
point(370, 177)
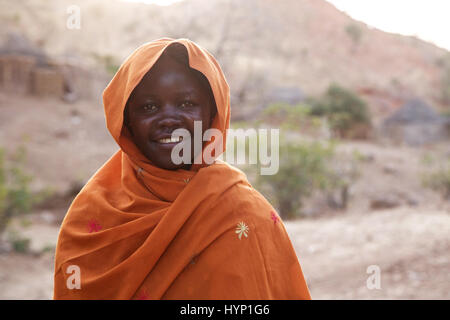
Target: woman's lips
point(169, 140)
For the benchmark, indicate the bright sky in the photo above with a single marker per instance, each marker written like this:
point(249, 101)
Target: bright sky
point(426, 19)
point(158, 2)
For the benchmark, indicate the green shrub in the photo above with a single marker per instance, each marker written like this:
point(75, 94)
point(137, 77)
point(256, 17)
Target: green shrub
point(293, 117)
point(355, 32)
point(15, 194)
point(446, 87)
point(284, 110)
point(108, 62)
point(18, 243)
point(344, 110)
point(303, 168)
point(48, 248)
point(439, 179)
point(444, 65)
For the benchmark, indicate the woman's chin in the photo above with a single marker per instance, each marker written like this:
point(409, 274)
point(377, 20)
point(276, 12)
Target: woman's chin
point(169, 165)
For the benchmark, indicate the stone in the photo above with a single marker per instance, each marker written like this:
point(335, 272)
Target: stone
point(384, 202)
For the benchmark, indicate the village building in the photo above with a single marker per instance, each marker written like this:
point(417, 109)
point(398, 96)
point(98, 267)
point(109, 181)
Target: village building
point(416, 123)
point(26, 69)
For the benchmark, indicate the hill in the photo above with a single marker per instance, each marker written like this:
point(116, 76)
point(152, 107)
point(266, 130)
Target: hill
point(259, 43)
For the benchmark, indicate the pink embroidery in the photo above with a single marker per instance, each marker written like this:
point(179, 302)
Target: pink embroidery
point(94, 226)
point(143, 295)
point(274, 217)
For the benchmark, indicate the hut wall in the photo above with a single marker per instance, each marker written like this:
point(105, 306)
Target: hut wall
point(77, 81)
point(15, 73)
point(47, 82)
point(413, 134)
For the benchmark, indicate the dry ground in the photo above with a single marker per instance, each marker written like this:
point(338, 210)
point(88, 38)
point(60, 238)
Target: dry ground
point(410, 246)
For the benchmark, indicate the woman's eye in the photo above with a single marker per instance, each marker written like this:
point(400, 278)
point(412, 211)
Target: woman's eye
point(186, 104)
point(149, 107)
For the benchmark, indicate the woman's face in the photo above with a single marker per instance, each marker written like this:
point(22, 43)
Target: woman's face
point(169, 97)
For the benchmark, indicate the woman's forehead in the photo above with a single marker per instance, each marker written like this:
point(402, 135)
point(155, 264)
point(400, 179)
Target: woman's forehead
point(173, 78)
point(156, 88)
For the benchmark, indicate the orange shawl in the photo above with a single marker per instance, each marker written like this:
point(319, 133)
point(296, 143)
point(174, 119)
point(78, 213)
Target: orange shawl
point(136, 231)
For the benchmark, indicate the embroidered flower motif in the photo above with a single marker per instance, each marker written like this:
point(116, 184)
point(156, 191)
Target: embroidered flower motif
point(274, 217)
point(242, 229)
point(94, 226)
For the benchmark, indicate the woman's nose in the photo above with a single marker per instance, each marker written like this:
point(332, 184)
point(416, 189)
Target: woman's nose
point(170, 116)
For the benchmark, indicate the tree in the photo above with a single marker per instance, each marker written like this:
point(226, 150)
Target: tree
point(303, 168)
point(343, 109)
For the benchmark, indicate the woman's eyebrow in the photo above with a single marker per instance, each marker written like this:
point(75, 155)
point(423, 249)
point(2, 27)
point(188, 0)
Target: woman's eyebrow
point(186, 92)
point(178, 94)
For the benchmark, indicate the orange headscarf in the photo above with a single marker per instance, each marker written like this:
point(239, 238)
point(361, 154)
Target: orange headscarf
point(136, 231)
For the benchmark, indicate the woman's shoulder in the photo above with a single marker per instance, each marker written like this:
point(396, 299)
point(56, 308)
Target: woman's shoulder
point(245, 202)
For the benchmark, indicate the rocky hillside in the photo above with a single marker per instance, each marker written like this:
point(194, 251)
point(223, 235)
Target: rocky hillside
point(260, 43)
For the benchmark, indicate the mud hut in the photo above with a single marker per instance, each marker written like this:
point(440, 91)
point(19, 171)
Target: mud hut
point(26, 69)
point(416, 123)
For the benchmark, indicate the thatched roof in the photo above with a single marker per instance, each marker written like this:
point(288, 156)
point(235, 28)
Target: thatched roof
point(414, 111)
point(17, 44)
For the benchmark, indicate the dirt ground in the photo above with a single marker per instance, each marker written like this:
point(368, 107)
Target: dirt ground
point(410, 246)
point(409, 242)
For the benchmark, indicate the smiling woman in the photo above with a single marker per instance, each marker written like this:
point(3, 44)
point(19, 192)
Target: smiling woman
point(144, 228)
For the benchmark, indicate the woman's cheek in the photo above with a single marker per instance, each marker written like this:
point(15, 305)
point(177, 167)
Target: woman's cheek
point(191, 116)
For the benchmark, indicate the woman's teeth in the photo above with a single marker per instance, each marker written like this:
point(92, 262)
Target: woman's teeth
point(170, 140)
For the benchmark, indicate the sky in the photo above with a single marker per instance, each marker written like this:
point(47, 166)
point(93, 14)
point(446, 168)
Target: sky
point(426, 19)
point(158, 2)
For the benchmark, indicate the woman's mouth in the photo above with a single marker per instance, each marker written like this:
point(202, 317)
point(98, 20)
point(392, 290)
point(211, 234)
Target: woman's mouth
point(169, 140)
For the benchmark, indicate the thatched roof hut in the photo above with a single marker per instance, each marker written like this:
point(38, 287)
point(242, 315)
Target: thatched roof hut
point(415, 123)
point(17, 45)
point(26, 69)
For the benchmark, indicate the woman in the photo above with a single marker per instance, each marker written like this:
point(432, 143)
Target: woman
point(144, 227)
